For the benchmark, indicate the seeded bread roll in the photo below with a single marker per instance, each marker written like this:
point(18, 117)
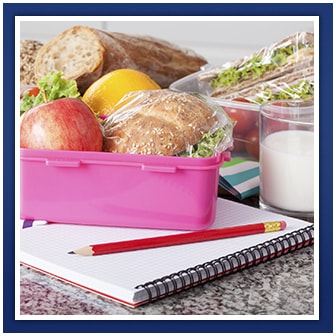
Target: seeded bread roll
point(157, 122)
point(28, 53)
point(85, 54)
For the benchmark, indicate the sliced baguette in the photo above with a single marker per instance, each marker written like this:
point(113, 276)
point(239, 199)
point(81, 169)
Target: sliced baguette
point(85, 54)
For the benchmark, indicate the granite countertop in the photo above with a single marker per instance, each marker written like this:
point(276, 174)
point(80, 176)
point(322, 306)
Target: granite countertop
point(283, 286)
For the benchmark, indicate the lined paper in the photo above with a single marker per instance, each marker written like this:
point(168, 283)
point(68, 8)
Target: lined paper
point(46, 248)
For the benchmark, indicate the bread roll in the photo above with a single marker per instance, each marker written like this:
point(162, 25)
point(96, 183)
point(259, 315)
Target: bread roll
point(157, 122)
point(85, 54)
point(77, 52)
point(28, 53)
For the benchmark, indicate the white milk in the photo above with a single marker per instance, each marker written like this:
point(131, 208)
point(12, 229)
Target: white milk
point(287, 170)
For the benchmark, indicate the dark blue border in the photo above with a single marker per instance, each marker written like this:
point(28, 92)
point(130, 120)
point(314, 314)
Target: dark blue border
point(324, 324)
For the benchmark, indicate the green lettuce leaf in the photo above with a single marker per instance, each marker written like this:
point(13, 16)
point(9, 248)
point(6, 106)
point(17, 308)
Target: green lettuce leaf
point(53, 86)
point(255, 67)
point(304, 89)
point(209, 143)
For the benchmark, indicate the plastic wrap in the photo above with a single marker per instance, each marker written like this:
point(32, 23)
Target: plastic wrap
point(257, 76)
point(291, 78)
point(296, 85)
point(165, 122)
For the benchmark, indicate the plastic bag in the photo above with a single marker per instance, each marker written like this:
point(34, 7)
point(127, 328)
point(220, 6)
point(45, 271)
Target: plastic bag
point(285, 67)
point(165, 122)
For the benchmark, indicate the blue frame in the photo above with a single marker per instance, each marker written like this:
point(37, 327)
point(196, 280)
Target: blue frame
point(325, 322)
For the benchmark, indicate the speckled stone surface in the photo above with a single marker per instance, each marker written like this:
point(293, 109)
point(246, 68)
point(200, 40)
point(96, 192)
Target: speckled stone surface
point(283, 286)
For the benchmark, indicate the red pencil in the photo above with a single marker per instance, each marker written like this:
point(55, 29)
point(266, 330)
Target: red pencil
point(178, 239)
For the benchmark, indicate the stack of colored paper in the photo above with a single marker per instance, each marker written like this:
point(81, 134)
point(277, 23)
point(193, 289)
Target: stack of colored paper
point(240, 177)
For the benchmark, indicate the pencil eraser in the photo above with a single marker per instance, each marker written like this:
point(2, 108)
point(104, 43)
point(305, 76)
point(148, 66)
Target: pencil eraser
point(283, 225)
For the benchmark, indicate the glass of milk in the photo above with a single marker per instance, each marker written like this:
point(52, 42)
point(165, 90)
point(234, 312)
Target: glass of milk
point(287, 157)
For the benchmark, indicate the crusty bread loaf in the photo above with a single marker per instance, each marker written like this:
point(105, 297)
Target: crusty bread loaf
point(28, 53)
point(77, 52)
point(163, 61)
point(157, 122)
point(85, 54)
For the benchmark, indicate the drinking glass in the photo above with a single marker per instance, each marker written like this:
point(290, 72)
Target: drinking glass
point(287, 157)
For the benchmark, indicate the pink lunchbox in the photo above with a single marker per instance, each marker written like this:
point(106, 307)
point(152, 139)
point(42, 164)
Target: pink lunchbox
point(108, 189)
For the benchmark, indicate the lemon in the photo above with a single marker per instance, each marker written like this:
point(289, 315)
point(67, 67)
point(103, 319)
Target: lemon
point(104, 93)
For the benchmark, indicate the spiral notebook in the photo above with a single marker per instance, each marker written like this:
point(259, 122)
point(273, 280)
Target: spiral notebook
point(138, 277)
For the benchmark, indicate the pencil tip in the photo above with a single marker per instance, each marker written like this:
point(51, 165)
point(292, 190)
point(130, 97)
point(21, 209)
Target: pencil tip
point(71, 252)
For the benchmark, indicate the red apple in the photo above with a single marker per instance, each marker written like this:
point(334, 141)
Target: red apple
point(66, 123)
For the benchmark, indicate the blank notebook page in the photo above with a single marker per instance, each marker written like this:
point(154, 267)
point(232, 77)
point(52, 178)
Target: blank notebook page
point(46, 248)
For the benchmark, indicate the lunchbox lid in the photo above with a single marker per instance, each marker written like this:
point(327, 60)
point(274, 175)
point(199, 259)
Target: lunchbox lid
point(66, 158)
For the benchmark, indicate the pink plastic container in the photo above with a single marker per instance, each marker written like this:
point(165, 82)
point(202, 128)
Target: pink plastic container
point(108, 189)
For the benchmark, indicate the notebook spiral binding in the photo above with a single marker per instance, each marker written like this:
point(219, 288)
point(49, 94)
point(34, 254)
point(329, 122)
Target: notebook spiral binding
point(229, 264)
